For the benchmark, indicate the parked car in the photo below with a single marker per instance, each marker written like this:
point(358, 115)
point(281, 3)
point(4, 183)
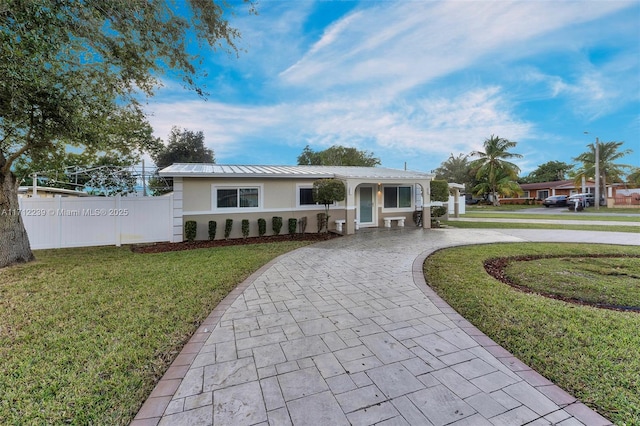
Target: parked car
point(555, 201)
point(584, 200)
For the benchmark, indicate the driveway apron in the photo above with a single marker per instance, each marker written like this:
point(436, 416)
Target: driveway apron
point(347, 332)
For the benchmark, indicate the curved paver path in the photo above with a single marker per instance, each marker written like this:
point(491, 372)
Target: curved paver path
point(347, 332)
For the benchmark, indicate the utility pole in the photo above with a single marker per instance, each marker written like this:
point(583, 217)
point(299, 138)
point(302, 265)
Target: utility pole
point(597, 194)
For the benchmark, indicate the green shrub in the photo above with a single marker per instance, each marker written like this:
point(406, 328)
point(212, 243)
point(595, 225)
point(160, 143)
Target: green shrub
point(262, 227)
point(190, 228)
point(212, 229)
point(276, 224)
point(245, 228)
point(227, 228)
point(293, 225)
point(439, 191)
point(322, 221)
point(436, 212)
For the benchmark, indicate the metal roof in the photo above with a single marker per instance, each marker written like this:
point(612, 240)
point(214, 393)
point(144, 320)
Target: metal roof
point(312, 172)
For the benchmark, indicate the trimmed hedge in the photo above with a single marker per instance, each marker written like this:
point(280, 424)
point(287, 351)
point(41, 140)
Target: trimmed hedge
point(262, 227)
point(276, 224)
point(212, 229)
point(245, 228)
point(190, 230)
point(227, 228)
point(293, 225)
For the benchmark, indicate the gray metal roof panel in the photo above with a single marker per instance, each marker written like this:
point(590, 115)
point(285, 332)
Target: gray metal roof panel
point(345, 172)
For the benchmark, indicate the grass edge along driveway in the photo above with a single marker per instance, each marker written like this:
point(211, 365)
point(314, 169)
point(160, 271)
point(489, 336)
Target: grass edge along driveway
point(592, 353)
point(86, 333)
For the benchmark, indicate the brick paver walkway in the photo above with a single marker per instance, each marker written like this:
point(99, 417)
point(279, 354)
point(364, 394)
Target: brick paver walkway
point(347, 332)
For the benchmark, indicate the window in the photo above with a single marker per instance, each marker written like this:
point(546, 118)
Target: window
point(543, 194)
point(397, 197)
point(306, 197)
point(237, 198)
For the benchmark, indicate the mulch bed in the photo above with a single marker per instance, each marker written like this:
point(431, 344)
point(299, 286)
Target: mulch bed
point(496, 268)
point(190, 245)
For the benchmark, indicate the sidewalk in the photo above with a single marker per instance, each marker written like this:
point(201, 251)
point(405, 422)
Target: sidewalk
point(347, 332)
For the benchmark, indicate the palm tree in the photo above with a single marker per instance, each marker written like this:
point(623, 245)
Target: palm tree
point(492, 168)
point(610, 172)
point(455, 169)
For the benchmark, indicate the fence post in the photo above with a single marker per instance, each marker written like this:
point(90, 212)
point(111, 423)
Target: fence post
point(118, 221)
point(58, 220)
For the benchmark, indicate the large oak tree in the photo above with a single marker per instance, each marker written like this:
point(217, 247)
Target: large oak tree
point(73, 74)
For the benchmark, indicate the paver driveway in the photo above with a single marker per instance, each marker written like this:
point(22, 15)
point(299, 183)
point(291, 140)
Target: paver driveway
point(347, 332)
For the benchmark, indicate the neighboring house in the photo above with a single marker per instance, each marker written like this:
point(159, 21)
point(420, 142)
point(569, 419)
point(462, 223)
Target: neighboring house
point(46, 192)
point(617, 194)
point(375, 196)
point(542, 190)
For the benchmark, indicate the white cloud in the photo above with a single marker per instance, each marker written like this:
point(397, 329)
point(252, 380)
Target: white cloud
point(403, 79)
point(411, 43)
point(434, 126)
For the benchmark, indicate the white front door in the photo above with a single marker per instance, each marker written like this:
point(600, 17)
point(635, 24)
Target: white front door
point(366, 212)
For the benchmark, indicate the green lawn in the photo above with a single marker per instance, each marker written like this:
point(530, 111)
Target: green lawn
point(517, 207)
point(86, 333)
point(595, 280)
point(592, 353)
point(551, 216)
point(509, 225)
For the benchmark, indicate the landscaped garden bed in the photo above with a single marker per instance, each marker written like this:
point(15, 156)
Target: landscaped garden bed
point(190, 245)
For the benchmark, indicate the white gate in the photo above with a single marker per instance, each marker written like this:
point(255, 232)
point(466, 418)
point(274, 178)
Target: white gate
point(96, 221)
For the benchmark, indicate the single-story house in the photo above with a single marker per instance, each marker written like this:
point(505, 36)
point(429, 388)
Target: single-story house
point(375, 196)
point(542, 190)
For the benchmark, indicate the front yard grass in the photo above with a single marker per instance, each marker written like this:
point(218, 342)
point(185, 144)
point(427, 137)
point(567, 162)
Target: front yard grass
point(86, 333)
point(592, 353)
point(532, 225)
point(552, 216)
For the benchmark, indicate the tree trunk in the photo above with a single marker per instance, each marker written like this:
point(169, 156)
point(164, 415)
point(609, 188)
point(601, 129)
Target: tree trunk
point(14, 241)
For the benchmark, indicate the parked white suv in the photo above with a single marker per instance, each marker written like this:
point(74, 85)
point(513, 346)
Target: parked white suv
point(585, 200)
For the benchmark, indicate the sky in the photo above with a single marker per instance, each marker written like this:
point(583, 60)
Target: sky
point(415, 81)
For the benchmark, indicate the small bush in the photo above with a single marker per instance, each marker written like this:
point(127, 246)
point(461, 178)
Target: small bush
point(302, 224)
point(227, 228)
point(322, 221)
point(245, 228)
point(436, 212)
point(293, 225)
point(213, 225)
point(262, 227)
point(276, 224)
point(190, 229)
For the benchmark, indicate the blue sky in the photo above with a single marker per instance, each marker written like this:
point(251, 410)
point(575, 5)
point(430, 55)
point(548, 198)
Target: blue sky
point(416, 81)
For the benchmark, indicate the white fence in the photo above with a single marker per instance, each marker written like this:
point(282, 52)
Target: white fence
point(96, 221)
point(461, 204)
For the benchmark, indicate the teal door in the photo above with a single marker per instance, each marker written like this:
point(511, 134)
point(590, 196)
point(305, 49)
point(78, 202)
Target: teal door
point(366, 205)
